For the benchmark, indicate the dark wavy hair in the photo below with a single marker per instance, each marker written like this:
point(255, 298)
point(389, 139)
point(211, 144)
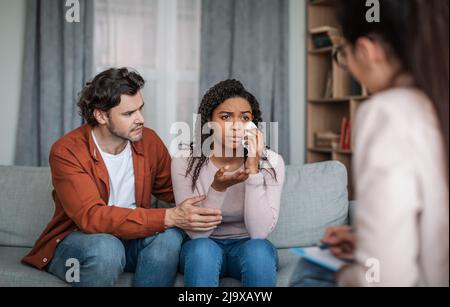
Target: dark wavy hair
point(214, 97)
point(104, 91)
point(417, 32)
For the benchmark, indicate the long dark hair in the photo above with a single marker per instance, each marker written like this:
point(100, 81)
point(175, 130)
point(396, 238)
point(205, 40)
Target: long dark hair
point(214, 97)
point(417, 31)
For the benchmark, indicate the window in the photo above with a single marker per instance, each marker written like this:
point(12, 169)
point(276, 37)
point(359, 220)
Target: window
point(160, 39)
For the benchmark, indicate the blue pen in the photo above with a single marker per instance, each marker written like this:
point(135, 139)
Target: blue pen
point(324, 246)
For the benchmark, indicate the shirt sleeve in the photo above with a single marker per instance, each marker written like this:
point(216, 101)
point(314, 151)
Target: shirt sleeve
point(262, 199)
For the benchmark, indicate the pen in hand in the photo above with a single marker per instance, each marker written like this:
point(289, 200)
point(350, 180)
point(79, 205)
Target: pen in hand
point(324, 246)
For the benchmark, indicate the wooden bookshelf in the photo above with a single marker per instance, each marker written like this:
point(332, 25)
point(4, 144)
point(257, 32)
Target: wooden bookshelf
point(332, 94)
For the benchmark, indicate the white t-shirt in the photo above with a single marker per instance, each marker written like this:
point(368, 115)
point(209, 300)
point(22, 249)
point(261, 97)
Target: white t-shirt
point(121, 177)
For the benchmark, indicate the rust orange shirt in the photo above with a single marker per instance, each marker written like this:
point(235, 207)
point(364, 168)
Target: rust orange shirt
point(81, 192)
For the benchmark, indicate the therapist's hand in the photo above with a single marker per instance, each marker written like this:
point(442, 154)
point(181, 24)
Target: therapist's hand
point(189, 216)
point(342, 240)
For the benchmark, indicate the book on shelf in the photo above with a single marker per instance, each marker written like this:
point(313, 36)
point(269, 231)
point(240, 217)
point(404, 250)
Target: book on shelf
point(325, 36)
point(345, 135)
point(347, 140)
point(325, 139)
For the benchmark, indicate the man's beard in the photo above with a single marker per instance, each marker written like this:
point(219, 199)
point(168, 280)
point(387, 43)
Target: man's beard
point(122, 135)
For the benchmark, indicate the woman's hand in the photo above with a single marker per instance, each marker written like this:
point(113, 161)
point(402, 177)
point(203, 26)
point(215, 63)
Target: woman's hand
point(342, 240)
point(222, 182)
point(255, 145)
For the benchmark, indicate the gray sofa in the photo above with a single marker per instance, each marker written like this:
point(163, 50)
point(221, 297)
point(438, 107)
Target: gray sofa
point(314, 197)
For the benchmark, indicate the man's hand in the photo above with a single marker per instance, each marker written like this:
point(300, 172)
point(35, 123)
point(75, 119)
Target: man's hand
point(342, 241)
point(222, 182)
point(189, 216)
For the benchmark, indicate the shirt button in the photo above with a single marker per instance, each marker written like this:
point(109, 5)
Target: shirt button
point(44, 260)
point(58, 240)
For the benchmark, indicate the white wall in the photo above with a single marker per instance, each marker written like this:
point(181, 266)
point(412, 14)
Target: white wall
point(297, 71)
point(12, 37)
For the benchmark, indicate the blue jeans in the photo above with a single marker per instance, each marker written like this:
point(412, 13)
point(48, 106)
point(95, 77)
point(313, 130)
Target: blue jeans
point(205, 261)
point(308, 274)
point(103, 257)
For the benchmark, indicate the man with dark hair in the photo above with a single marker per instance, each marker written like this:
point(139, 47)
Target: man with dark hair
point(104, 175)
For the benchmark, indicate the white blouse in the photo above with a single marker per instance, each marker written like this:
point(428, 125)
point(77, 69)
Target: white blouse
point(401, 178)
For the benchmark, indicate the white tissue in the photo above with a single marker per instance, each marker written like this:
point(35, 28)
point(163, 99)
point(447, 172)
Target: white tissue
point(249, 126)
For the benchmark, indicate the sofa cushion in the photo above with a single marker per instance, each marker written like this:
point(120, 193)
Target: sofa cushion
point(314, 197)
point(15, 274)
point(26, 204)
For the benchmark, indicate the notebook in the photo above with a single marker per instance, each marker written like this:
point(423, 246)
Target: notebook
point(323, 258)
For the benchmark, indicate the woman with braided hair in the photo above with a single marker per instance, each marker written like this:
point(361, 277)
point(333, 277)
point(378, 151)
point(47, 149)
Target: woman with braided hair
point(235, 172)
